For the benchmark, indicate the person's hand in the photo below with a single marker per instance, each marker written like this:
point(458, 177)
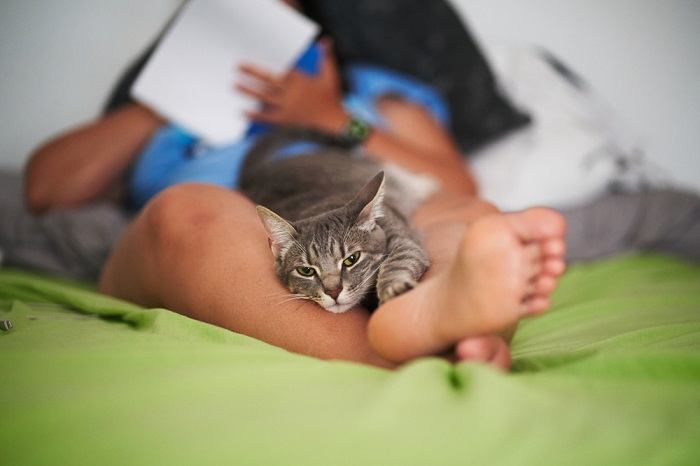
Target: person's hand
point(297, 99)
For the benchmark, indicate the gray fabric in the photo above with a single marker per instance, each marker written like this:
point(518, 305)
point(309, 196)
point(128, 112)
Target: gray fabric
point(70, 243)
point(663, 220)
point(75, 243)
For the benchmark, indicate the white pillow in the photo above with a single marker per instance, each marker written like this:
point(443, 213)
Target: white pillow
point(572, 150)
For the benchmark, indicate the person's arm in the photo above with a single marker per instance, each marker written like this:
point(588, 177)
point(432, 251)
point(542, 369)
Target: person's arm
point(85, 163)
point(315, 101)
point(433, 157)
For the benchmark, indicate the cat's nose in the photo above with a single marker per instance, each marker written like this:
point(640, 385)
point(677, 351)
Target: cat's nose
point(333, 293)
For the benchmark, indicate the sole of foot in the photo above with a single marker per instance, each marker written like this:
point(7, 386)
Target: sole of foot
point(506, 268)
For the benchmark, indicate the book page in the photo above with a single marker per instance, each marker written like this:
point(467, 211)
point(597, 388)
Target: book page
point(190, 77)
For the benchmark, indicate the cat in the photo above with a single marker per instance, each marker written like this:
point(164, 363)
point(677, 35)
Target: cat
point(336, 222)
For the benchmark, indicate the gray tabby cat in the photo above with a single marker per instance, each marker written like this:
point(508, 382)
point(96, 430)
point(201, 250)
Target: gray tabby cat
point(335, 235)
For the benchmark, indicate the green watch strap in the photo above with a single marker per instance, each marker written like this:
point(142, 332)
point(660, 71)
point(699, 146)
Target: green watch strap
point(356, 131)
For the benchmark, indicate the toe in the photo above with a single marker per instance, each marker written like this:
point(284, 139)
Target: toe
point(534, 270)
point(554, 267)
point(477, 348)
point(535, 305)
point(544, 285)
point(541, 285)
point(537, 224)
point(533, 252)
point(501, 359)
point(491, 350)
point(554, 247)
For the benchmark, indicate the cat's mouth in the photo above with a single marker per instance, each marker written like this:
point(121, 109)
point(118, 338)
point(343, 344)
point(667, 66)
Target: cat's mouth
point(340, 304)
point(338, 308)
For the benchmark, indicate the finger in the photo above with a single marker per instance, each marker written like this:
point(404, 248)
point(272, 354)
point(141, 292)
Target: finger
point(260, 74)
point(329, 70)
point(326, 45)
point(263, 95)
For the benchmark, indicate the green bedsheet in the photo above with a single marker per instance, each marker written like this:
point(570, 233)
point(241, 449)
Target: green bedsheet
point(611, 375)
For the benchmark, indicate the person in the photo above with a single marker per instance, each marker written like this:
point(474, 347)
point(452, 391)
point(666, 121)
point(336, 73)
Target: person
point(170, 255)
point(200, 250)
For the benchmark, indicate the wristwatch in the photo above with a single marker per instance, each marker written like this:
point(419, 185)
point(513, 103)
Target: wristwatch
point(355, 131)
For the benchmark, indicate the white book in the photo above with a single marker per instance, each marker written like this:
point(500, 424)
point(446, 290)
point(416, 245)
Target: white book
point(190, 77)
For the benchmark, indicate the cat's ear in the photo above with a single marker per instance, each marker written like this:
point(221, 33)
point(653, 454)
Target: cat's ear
point(370, 202)
point(280, 231)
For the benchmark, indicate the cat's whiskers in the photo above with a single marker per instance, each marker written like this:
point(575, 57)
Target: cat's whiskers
point(282, 295)
point(279, 293)
point(294, 298)
point(368, 277)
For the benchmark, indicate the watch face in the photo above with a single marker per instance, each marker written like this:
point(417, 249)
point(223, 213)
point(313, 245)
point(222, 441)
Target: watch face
point(357, 130)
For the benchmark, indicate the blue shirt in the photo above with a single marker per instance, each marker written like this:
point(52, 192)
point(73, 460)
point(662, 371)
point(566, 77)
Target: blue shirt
point(172, 156)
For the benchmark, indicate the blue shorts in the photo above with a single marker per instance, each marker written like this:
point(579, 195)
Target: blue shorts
point(172, 156)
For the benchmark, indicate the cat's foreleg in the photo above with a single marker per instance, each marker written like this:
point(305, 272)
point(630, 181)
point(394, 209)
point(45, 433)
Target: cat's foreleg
point(404, 266)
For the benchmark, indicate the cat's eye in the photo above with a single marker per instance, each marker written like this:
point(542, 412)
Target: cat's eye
point(306, 271)
point(351, 259)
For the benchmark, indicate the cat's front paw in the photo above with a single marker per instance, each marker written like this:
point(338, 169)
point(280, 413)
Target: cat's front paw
point(394, 286)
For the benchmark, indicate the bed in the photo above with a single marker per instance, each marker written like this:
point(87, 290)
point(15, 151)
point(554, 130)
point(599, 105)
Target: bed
point(611, 375)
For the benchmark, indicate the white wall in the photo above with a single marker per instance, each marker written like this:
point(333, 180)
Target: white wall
point(59, 58)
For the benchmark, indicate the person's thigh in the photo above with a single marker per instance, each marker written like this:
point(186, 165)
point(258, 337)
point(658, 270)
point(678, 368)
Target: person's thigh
point(71, 243)
point(202, 251)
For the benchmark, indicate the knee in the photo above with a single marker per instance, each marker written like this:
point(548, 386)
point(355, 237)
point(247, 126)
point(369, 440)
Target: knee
point(185, 212)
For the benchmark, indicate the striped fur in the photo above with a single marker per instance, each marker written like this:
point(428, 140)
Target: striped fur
point(319, 210)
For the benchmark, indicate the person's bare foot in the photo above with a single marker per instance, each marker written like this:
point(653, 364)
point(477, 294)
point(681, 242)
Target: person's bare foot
point(505, 269)
point(491, 350)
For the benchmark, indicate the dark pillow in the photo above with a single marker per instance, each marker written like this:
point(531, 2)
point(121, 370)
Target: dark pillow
point(120, 95)
point(425, 39)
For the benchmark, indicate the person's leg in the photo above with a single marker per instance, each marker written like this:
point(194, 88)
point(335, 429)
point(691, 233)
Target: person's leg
point(161, 241)
point(665, 220)
point(416, 126)
point(71, 243)
point(201, 251)
point(488, 270)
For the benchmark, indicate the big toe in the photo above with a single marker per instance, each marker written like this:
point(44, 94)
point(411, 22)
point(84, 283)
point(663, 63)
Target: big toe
point(537, 224)
point(490, 349)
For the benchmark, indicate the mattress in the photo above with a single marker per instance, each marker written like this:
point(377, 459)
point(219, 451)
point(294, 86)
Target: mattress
point(610, 375)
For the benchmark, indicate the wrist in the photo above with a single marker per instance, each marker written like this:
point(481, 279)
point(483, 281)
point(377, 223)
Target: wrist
point(333, 121)
point(354, 131)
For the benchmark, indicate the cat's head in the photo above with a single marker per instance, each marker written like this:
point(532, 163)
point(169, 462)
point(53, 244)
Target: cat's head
point(332, 258)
